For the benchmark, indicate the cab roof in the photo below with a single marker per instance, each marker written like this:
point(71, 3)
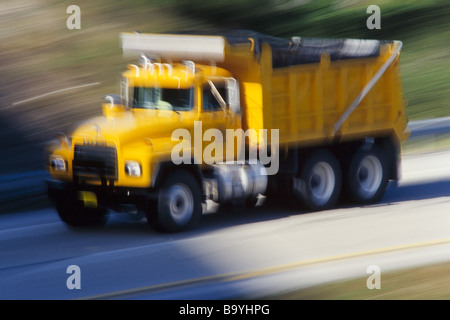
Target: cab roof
point(171, 75)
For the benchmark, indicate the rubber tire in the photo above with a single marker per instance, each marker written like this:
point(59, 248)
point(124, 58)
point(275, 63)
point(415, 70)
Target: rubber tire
point(159, 215)
point(327, 161)
point(251, 202)
point(354, 189)
point(71, 211)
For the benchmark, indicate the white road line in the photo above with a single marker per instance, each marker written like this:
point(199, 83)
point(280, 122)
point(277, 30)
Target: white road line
point(55, 92)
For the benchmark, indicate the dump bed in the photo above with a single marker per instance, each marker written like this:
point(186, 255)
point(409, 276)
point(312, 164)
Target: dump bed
point(328, 90)
point(312, 90)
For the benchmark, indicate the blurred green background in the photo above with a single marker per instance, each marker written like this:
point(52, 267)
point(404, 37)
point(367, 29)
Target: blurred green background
point(40, 55)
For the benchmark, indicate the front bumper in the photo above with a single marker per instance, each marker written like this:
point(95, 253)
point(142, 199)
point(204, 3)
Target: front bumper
point(115, 198)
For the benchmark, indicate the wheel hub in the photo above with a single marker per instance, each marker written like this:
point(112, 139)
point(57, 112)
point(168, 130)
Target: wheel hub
point(181, 203)
point(322, 182)
point(370, 175)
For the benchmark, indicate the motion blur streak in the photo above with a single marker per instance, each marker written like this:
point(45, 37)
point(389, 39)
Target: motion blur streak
point(55, 92)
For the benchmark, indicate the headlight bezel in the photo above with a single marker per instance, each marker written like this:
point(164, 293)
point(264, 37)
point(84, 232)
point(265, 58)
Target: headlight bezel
point(58, 164)
point(133, 169)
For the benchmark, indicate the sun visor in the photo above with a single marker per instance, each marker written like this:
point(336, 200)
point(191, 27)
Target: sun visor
point(174, 47)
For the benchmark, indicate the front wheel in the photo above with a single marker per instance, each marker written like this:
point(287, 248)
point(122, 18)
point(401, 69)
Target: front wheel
point(179, 204)
point(319, 182)
point(72, 212)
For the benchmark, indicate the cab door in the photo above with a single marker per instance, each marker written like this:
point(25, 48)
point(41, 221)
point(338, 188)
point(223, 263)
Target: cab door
point(220, 111)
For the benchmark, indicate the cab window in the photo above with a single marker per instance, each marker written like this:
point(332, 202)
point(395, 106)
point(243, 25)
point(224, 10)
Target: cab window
point(163, 98)
point(212, 101)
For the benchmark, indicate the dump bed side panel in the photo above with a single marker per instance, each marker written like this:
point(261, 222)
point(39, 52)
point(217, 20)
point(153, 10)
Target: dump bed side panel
point(307, 100)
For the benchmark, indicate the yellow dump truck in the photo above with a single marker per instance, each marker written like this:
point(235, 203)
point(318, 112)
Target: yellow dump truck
point(229, 117)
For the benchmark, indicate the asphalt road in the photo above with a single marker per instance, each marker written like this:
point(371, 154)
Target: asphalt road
point(242, 254)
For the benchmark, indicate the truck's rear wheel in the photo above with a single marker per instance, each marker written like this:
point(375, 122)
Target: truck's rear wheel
point(72, 212)
point(367, 176)
point(179, 204)
point(319, 183)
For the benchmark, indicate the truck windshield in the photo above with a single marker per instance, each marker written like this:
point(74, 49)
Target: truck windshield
point(163, 98)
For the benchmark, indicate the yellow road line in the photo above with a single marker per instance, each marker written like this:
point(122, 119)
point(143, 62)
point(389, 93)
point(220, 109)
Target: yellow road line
point(268, 271)
point(294, 265)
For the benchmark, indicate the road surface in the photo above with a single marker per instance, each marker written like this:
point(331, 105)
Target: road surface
point(243, 254)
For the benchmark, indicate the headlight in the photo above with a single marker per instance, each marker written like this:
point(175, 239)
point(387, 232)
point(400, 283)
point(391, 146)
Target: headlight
point(133, 169)
point(58, 164)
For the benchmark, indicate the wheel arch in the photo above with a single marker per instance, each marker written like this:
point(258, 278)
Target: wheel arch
point(167, 167)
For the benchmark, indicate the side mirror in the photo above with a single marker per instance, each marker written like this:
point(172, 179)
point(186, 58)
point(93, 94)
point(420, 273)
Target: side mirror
point(233, 95)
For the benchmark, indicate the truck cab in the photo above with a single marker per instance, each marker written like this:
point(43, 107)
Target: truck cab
point(124, 158)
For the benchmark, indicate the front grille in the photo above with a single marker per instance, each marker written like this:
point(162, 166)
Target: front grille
point(95, 161)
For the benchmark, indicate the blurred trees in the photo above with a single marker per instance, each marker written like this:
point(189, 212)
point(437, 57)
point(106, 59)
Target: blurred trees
point(318, 18)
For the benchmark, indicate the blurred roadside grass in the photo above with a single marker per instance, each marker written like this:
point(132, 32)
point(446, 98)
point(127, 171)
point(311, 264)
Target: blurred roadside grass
point(422, 283)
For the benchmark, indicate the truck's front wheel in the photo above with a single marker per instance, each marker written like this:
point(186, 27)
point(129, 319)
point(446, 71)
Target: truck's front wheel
point(179, 204)
point(72, 212)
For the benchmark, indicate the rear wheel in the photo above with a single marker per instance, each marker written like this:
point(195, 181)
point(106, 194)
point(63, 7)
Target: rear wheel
point(367, 176)
point(179, 204)
point(319, 183)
